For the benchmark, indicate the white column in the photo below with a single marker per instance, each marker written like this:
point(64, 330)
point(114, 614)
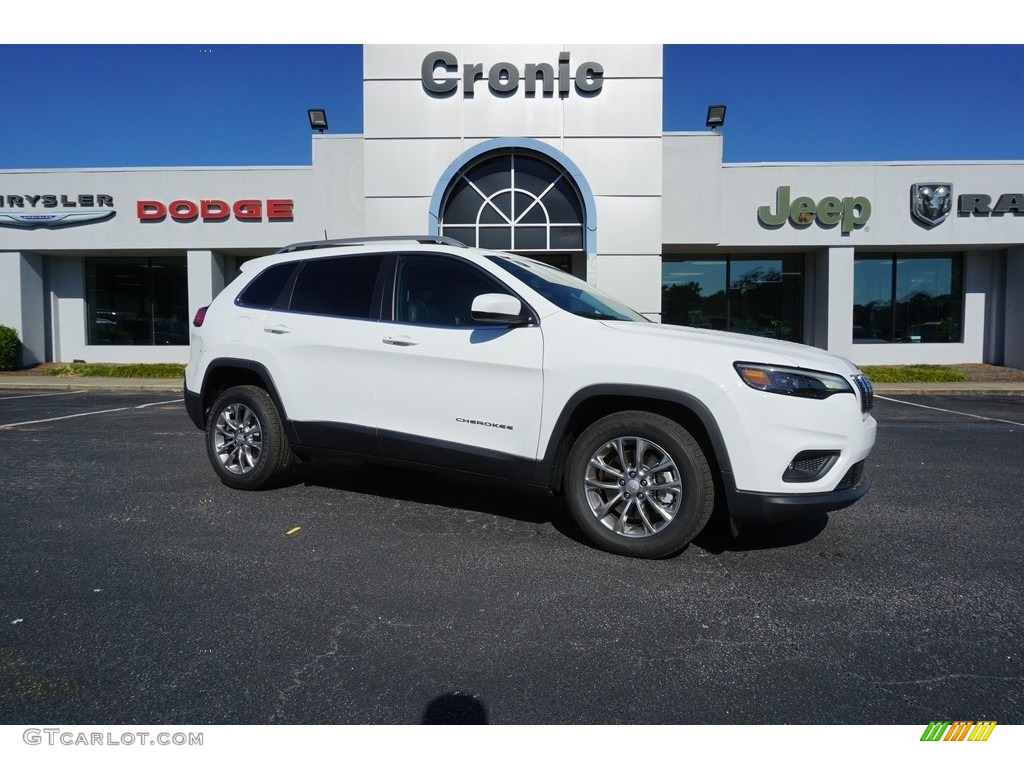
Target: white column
point(816, 299)
point(206, 279)
point(22, 302)
point(628, 262)
point(1013, 322)
point(839, 309)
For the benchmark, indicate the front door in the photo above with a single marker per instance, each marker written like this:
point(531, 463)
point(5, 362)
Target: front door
point(452, 391)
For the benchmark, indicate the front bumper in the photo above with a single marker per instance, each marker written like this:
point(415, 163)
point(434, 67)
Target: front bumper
point(747, 507)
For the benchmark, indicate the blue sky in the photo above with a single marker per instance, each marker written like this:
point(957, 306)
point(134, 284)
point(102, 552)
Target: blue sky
point(107, 103)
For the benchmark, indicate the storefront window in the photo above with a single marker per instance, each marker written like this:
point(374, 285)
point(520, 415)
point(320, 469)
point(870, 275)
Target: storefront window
point(908, 298)
point(514, 202)
point(755, 295)
point(137, 300)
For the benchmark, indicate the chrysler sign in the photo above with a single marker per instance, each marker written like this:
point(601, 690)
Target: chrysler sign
point(52, 211)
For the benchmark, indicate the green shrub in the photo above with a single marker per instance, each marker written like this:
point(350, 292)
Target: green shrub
point(10, 349)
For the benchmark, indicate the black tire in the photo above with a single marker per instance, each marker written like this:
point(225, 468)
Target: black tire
point(651, 507)
point(245, 438)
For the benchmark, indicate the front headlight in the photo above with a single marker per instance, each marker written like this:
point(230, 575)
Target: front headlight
point(798, 382)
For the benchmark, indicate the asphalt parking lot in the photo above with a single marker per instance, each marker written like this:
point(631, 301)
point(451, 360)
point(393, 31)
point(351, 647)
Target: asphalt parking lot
point(135, 588)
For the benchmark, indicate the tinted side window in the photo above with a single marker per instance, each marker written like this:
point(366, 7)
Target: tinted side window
point(434, 290)
point(340, 287)
point(264, 290)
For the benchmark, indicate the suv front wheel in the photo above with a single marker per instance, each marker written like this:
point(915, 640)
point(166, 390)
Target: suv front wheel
point(245, 439)
point(638, 484)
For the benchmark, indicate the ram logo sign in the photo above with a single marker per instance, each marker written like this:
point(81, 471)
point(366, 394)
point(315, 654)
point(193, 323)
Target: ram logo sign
point(931, 202)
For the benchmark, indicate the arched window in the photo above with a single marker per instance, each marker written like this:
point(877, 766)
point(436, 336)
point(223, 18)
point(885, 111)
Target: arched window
point(515, 201)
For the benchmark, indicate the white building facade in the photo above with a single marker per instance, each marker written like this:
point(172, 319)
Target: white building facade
point(554, 151)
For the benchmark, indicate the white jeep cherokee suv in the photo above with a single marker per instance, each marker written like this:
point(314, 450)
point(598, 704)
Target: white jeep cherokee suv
point(422, 351)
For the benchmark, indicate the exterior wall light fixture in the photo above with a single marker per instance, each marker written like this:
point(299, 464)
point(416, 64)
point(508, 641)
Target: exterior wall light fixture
point(716, 116)
point(318, 119)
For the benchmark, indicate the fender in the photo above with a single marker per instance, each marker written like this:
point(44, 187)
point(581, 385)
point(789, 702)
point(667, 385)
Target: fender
point(549, 465)
point(258, 371)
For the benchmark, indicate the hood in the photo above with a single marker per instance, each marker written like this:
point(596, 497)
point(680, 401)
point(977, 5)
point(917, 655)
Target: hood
point(752, 349)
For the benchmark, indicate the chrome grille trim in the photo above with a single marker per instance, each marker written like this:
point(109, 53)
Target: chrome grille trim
point(867, 392)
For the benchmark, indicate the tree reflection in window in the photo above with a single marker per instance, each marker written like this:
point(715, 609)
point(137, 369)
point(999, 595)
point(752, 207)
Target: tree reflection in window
point(751, 294)
point(908, 298)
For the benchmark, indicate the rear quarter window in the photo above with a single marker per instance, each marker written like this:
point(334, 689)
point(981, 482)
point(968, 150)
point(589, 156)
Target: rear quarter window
point(264, 291)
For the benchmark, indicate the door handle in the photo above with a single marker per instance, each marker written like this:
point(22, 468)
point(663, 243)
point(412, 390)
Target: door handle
point(400, 341)
point(277, 329)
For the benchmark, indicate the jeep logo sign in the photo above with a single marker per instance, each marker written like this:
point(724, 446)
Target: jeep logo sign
point(438, 68)
point(849, 212)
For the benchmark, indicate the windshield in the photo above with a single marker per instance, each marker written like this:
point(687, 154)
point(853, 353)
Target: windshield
point(565, 291)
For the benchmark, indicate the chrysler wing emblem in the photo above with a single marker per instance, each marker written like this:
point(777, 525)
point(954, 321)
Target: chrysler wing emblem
point(930, 203)
point(57, 218)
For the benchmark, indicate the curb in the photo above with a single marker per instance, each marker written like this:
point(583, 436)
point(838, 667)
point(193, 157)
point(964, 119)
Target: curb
point(951, 388)
point(91, 383)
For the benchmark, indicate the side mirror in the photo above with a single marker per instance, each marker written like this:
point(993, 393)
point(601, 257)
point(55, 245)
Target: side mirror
point(499, 308)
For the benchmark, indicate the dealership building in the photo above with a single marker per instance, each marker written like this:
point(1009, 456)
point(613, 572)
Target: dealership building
point(553, 151)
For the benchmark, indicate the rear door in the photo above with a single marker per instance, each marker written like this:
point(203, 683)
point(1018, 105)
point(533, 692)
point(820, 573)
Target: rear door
point(319, 351)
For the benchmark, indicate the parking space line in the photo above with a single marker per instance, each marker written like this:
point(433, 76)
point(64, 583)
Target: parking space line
point(48, 394)
point(165, 402)
point(90, 413)
point(946, 410)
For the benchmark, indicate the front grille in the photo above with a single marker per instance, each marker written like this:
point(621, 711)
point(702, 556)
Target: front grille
point(867, 392)
point(852, 477)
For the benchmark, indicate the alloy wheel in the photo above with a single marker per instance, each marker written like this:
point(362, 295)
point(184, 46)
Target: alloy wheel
point(633, 487)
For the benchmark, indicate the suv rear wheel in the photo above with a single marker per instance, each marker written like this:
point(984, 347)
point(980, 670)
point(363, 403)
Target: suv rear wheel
point(245, 439)
point(638, 484)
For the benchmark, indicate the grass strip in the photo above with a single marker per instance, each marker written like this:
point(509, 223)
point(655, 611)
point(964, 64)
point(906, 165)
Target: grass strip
point(912, 374)
point(121, 371)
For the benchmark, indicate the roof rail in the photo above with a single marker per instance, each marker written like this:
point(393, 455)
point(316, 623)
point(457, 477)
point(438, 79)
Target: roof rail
point(422, 239)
